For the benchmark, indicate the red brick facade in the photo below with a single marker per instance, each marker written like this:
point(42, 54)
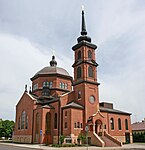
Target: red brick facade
point(53, 109)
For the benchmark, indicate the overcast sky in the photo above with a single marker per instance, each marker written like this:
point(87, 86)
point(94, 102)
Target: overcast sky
point(30, 30)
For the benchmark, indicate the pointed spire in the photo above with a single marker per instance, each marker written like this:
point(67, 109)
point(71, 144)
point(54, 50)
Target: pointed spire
point(83, 32)
point(30, 90)
point(53, 62)
point(25, 87)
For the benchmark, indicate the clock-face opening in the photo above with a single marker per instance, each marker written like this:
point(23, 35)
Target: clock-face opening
point(92, 99)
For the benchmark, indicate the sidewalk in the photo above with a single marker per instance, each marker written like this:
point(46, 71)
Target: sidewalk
point(135, 146)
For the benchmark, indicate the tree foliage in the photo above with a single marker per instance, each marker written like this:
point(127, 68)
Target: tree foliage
point(61, 138)
point(6, 128)
point(139, 137)
point(82, 138)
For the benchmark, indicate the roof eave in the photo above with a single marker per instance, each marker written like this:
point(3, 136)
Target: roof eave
point(84, 43)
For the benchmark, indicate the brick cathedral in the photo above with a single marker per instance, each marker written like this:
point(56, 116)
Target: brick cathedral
point(53, 108)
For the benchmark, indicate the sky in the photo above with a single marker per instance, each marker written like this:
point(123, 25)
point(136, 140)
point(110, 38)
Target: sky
point(31, 30)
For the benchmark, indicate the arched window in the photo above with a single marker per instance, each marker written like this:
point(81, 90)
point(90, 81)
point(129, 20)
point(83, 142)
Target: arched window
point(47, 84)
point(81, 126)
point(62, 85)
point(78, 125)
point(19, 123)
point(119, 124)
point(89, 54)
point(26, 127)
point(66, 86)
point(48, 123)
point(55, 121)
point(90, 71)
point(79, 94)
point(65, 113)
point(79, 55)
point(75, 125)
point(65, 125)
point(23, 119)
point(37, 123)
point(112, 123)
point(79, 72)
point(126, 124)
point(35, 86)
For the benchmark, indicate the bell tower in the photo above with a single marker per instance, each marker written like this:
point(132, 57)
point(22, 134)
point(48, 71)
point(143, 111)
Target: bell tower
point(85, 73)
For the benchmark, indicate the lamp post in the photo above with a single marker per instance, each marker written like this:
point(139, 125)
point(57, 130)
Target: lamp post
point(87, 129)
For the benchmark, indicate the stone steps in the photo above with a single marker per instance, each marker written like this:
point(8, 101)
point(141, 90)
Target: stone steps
point(108, 142)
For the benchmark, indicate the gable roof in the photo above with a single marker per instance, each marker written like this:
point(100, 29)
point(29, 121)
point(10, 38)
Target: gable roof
point(138, 126)
point(73, 105)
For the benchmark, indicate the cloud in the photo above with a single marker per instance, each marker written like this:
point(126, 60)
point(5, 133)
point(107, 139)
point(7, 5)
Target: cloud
point(20, 60)
point(31, 29)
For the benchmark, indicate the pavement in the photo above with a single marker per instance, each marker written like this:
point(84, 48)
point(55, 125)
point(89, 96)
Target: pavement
point(134, 146)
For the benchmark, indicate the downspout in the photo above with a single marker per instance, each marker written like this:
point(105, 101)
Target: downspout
point(59, 126)
point(108, 123)
point(32, 126)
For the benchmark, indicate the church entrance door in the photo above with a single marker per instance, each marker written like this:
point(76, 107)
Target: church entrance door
point(98, 126)
point(48, 139)
point(37, 128)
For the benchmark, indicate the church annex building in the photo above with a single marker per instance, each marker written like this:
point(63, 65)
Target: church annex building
point(53, 108)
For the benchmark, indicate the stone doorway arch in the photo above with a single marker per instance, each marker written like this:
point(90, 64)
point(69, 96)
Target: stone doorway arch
point(98, 126)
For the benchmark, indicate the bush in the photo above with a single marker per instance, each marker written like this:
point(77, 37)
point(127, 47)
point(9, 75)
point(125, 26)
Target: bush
point(139, 137)
point(61, 139)
point(82, 138)
point(68, 145)
point(56, 145)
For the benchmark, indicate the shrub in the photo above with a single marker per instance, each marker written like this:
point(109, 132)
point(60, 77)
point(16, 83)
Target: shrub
point(61, 139)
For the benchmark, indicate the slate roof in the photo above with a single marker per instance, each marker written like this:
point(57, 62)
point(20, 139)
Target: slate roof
point(103, 109)
point(138, 126)
point(73, 105)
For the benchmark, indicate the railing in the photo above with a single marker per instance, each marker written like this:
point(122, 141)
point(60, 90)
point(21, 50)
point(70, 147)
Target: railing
point(112, 138)
point(96, 140)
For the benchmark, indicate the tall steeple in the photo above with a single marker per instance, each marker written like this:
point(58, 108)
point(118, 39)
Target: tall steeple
point(84, 31)
point(85, 82)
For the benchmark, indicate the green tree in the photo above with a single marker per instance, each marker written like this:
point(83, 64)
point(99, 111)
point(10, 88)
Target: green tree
point(6, 128)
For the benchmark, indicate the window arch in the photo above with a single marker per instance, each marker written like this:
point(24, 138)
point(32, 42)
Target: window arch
point(79, 55)
point(126, 124)
point(119, 124)
point(112, 123)
point(90, 71)
point(79, 72)
point(55, 121)
point(23, 119)
point(89, 54)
